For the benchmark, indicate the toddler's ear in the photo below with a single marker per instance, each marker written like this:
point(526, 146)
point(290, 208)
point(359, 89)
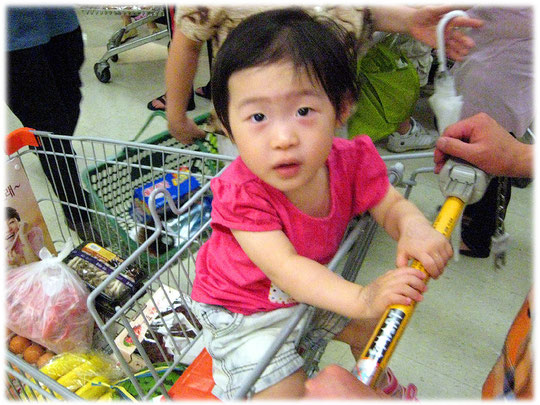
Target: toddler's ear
point(346, 110)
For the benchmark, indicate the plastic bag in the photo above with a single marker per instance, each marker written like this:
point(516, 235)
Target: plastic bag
point(86, 374)
point(389, 91)
point(46, 303)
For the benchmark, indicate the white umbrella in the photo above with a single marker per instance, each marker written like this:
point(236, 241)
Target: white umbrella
point(445, 102)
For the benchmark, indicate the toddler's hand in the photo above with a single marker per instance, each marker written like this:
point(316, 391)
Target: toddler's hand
point(423, 243)
point(399, 286)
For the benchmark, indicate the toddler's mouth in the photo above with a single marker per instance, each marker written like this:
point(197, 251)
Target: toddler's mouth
point(288, 169)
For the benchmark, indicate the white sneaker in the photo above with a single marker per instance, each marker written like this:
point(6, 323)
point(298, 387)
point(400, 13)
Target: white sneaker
point(416, 138)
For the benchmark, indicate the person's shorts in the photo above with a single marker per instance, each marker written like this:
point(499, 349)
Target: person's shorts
point(237, 342)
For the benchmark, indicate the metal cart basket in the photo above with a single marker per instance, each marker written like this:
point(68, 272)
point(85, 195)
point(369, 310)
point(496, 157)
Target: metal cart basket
point(154, 324)
point(114, 44)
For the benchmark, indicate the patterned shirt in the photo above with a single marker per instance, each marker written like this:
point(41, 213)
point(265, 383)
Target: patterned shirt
point(512, 374)
point(215, 23)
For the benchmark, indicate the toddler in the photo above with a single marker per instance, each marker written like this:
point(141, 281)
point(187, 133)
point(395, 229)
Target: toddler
point(283, 82)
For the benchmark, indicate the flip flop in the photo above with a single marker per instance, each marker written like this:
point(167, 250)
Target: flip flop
point(160, 99)
point(204, 92)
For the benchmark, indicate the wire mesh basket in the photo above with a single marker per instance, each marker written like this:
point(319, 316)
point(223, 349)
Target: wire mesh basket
point(112, 184)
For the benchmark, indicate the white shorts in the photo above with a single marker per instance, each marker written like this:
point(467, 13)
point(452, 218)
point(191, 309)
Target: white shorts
point(237, 342)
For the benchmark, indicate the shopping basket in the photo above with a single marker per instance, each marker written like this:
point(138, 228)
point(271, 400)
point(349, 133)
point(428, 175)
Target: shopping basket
point(112, 184)
point(114, 168)
point(154, 333)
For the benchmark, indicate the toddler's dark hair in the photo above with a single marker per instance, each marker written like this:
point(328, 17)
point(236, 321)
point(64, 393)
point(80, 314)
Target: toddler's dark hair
point(315, 44)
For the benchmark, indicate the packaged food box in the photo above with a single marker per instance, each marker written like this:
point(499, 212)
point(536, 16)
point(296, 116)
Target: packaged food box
point(164, 327)
point(93, 263)
point(180, 185)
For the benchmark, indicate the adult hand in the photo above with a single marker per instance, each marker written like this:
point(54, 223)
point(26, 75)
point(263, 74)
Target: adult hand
point(335, 382)
point(184, 129)
point(423, 26)
point(481, 141)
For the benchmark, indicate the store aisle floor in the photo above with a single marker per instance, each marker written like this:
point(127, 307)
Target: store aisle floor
point(454, 336)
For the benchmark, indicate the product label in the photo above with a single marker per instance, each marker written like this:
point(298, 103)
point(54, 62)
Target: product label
point(386, 334)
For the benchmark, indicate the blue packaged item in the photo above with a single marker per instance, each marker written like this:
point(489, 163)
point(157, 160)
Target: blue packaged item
point(180, 185)
point(186, 225)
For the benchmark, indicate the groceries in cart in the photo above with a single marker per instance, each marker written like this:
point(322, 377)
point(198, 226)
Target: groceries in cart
point(183, 227)
point(46, 303)
point(165, 329)
point(88, 375)
point(180, 185)
point(93, 263)
point(31, 352)
point(124, 389)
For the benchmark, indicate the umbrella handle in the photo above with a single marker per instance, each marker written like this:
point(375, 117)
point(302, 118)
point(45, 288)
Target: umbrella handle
point(441, 47)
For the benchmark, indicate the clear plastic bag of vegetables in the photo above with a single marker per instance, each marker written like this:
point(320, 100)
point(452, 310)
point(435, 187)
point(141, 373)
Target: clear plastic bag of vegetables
point(46, 303)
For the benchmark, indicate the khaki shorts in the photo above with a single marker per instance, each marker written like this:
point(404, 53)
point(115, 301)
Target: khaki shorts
point(237, 343)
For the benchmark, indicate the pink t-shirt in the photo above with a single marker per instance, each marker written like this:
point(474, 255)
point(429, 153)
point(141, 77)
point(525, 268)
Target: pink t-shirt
point(226, 276)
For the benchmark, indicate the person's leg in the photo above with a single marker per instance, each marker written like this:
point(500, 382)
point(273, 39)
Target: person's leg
point(411, 135)
point(45, 95)
point(480, 221)
point(290, 387)
point(357, 334)
point(132, 33)
point(206, 91)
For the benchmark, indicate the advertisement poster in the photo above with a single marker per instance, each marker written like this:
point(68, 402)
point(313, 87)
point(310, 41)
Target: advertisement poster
point(26, 231)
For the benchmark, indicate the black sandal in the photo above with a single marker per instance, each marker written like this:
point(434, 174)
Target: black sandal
point(204, 92)
point(476, 253)
point(161, 99)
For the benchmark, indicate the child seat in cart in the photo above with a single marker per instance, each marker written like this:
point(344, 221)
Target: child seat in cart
point(150, 332)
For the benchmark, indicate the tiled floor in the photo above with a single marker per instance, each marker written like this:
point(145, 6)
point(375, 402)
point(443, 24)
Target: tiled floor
point(454, 336)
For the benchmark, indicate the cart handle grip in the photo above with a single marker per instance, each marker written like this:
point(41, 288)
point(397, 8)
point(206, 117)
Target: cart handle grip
point(20, 138)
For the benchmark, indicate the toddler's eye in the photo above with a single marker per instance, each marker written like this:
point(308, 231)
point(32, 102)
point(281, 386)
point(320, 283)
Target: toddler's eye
point(302, 112)
point(258, 117)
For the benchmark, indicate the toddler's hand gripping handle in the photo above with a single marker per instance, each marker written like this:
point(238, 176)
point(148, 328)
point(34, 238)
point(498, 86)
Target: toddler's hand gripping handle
point(392, 324)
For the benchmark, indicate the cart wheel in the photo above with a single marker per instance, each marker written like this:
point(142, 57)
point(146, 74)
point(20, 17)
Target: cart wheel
point(103, 73)
point(114, 58)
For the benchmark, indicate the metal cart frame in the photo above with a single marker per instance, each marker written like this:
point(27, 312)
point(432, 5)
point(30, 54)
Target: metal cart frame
point(114, 44)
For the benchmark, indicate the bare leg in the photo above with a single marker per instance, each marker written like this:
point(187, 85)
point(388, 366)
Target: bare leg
point(356, 334)
point(291, 387)
point(404, 127)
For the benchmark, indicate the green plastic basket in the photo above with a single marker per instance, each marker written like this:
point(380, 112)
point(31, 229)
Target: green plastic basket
point(111, 184)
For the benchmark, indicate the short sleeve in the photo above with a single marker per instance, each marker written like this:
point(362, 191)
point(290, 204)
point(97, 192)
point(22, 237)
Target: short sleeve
point(371, 176)
point(245, 207)
point(199, 23)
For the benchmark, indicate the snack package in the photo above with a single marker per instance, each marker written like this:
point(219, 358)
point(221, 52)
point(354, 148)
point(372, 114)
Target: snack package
point(94, 264)
point(86, 374)
point(179, 185)
point(46, 303)
point(151, 332)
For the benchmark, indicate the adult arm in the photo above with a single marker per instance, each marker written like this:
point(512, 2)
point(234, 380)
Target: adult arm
point(421, 24)
point(179, 75)
point(481, 141)
point(334, 382)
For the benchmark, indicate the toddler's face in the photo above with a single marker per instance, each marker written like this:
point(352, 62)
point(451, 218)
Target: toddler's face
point(282, 123)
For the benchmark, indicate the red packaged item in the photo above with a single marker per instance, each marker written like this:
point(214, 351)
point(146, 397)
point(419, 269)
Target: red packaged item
point(196, 382)
point(46, 303)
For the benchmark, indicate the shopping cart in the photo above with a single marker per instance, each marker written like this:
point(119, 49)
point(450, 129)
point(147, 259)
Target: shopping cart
point(114, 45)
point(154, 324)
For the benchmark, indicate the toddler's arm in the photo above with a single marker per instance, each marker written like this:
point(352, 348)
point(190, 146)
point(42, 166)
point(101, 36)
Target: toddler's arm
point(309, 282)
point(415, 235)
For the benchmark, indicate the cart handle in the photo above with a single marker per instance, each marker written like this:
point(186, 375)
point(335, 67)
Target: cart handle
point(20, 138)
